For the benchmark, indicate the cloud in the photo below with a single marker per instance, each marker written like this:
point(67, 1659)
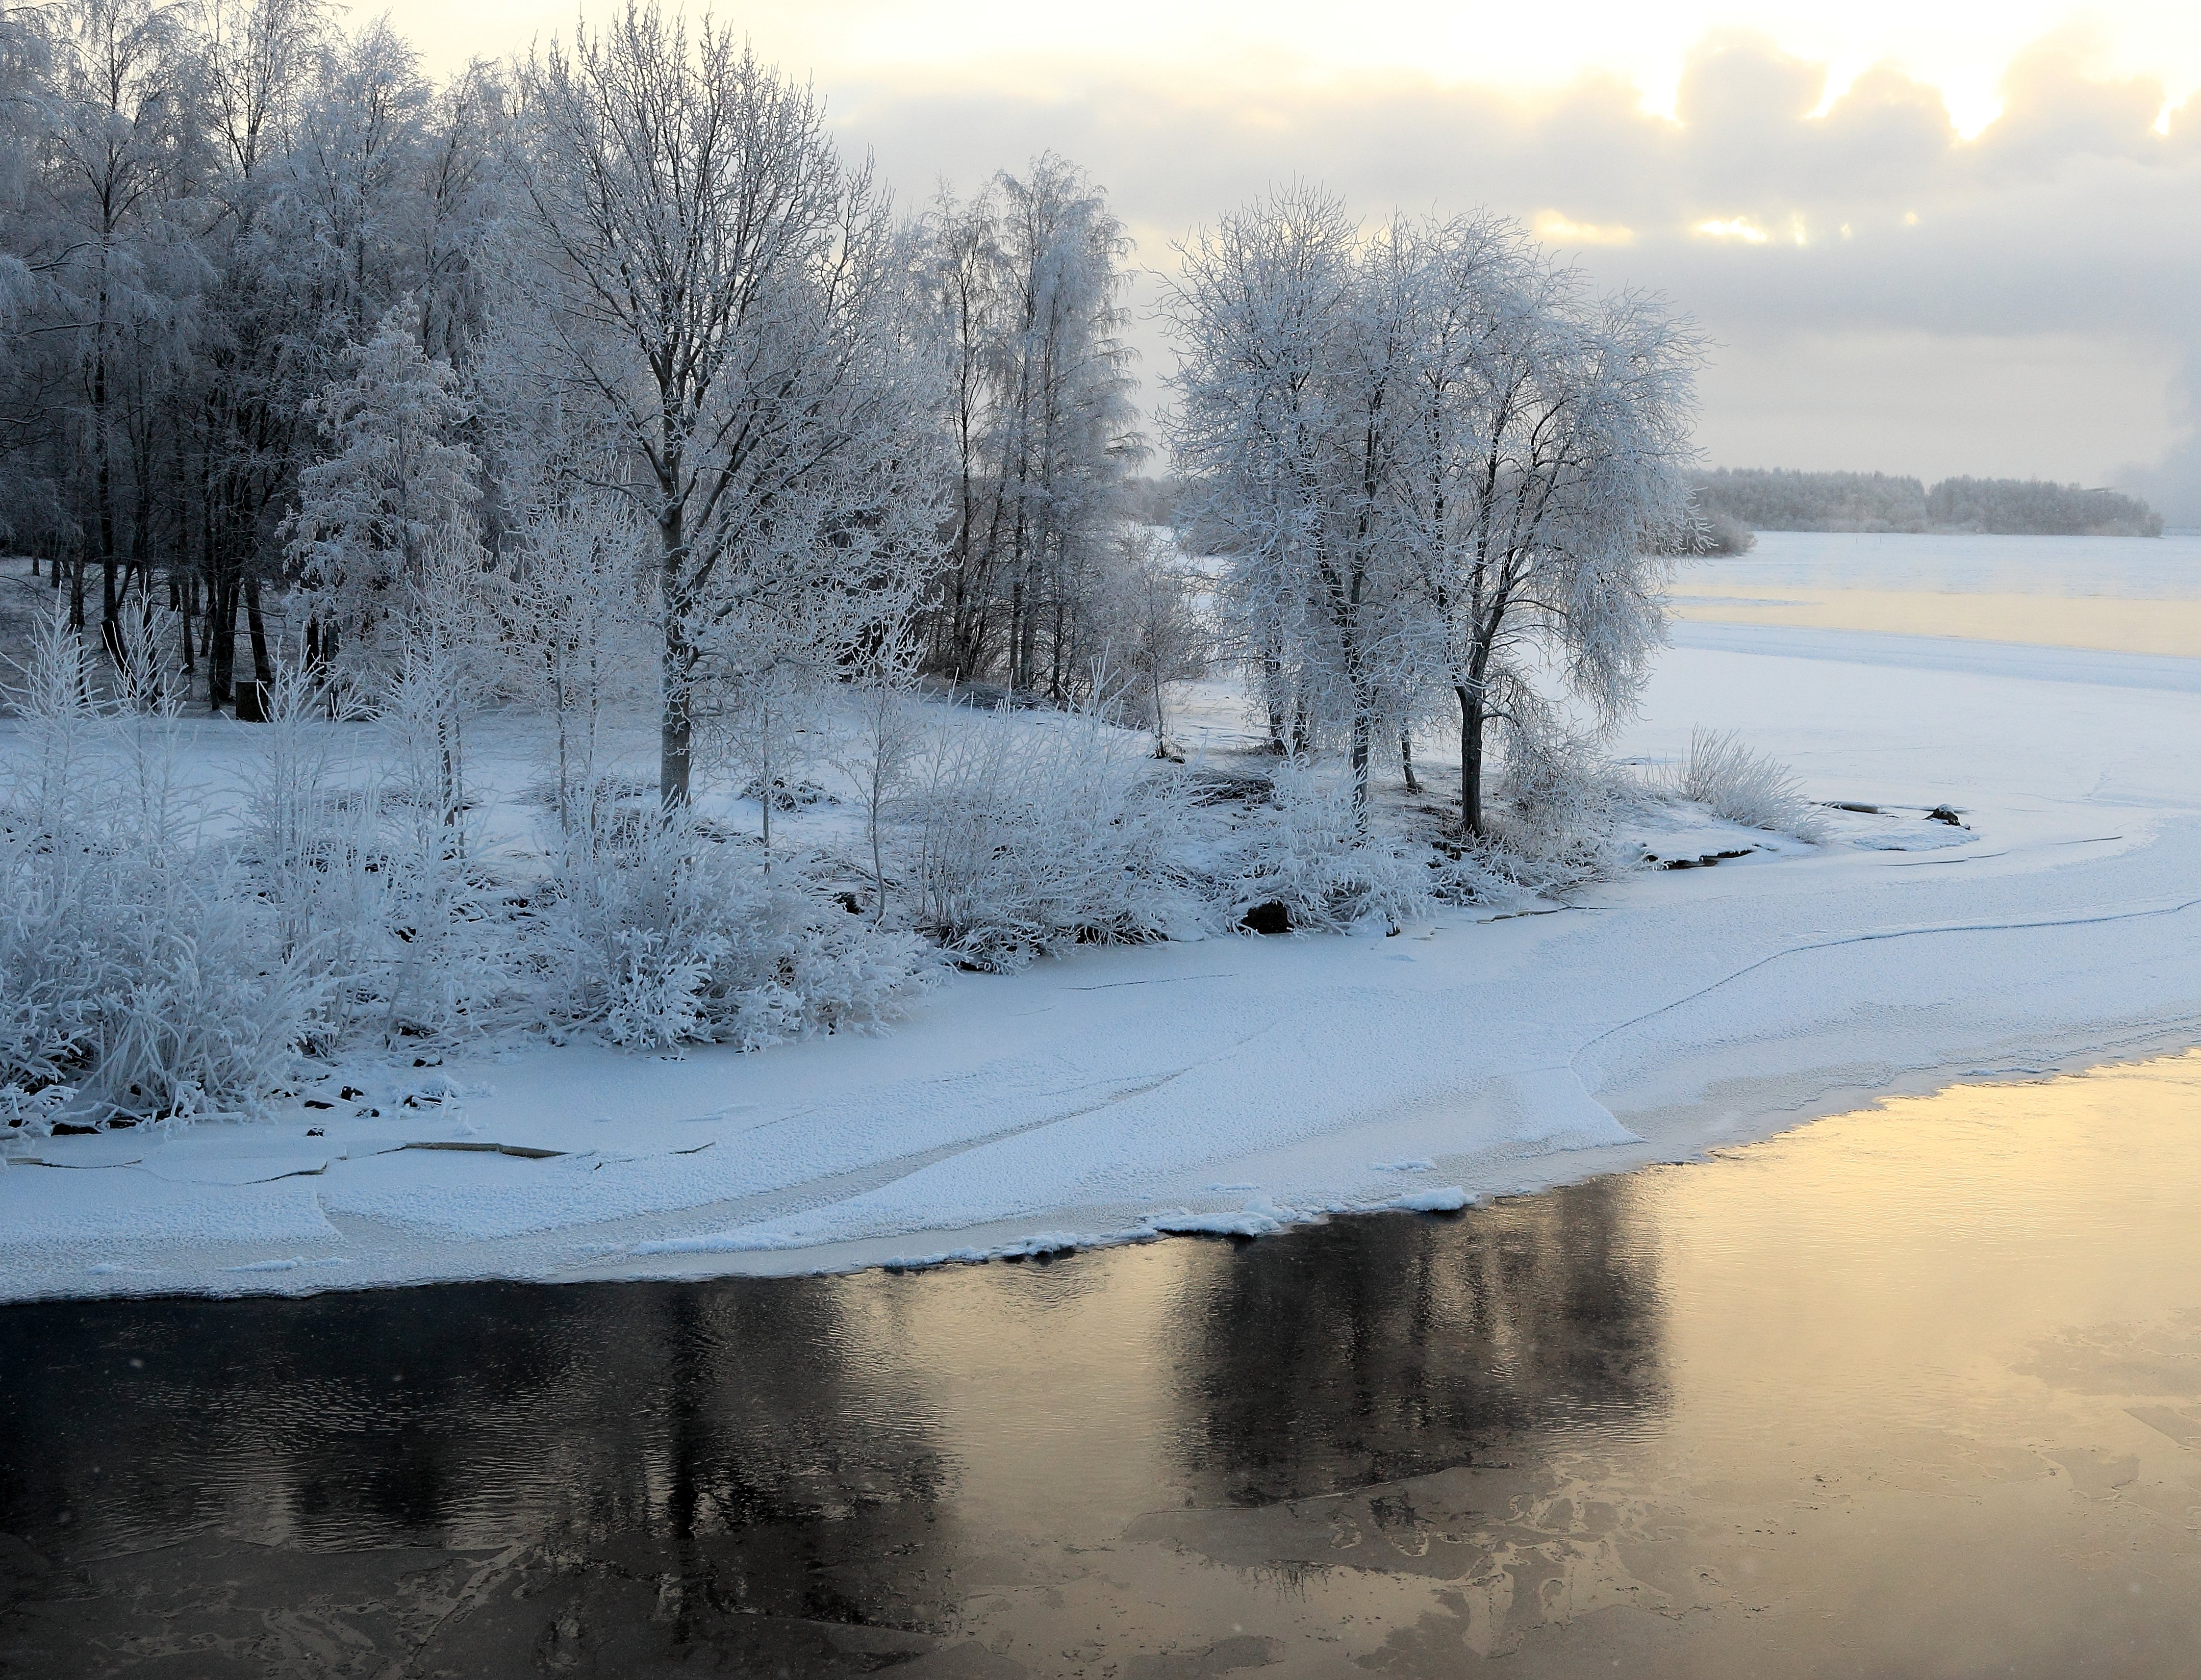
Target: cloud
point(2021, 302)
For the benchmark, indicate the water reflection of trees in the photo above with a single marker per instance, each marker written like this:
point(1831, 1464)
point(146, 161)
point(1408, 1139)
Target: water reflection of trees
point(1373, 1350)
point(732, 1446)
point(734, 1466)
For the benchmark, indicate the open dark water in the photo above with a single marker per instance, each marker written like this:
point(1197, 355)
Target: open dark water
point(1910, 1392)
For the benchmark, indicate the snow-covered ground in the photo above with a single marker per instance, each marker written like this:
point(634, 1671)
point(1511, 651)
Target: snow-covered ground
point(1239, 1082)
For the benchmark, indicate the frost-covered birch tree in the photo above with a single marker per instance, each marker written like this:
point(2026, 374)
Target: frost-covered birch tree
point(1294, 342)
point(577, 632)
point(737, 303)
point(1545, 442)
point(1027, 281)
point(1158, 633)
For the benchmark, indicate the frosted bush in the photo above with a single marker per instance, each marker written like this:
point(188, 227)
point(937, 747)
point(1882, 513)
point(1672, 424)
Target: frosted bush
point(1306, 853)
point(311, 833)
point(1030, 835)
point(442, 957)
point(52, 968)
point(369, 875)
point(1731, 781)
point(203, 1018)
point(656, 933)
point(150, 985)
point(140, 965)
point(1552, 823)
point(445, 967)
point(27, 1114)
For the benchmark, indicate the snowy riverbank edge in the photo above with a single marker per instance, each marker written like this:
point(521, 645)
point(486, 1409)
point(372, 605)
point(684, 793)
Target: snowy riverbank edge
point(1240, 1085)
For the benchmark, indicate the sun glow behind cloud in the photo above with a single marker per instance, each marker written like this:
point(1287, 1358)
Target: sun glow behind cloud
point(1555, 229)
point(1735, 227)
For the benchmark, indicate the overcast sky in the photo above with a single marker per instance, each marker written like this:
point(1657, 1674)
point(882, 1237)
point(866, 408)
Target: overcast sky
point(1927, 238)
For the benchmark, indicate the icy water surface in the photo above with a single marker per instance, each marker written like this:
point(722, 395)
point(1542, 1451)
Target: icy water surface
point(1915, 1392)
point(2108, 594)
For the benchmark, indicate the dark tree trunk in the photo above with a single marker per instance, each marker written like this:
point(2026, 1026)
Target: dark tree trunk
point(221, 656)
point(676, 727)
point(104, 491)
point(263, 667)
point(183, 590)
point(1471, 758)
point(1272, 671)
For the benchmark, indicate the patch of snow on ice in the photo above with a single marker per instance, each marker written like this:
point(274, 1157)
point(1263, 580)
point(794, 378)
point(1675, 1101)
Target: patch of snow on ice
point(1047, 1242)
point(1259, 1216)
point(1189, 1224)
point(1556, 1110)
point(1449, 1199)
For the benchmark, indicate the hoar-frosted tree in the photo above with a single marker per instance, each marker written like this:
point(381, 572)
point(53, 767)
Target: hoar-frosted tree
point(734, 299)
point(1426, 453)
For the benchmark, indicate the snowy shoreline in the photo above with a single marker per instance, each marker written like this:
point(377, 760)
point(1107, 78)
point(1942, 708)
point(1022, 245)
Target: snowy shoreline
point(1237, 1084)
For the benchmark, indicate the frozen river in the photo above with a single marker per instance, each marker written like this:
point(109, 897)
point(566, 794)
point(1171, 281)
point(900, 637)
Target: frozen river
point(1910, 1390)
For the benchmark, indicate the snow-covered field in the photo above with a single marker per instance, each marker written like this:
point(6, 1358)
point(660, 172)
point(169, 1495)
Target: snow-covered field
point(1236, 1084)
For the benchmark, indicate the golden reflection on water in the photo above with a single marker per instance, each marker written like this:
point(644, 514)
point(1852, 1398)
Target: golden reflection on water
point(1929, 1401)
point(2106, 624)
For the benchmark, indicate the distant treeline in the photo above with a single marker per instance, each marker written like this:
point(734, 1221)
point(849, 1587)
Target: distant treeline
point(1777, 499)
point(2034, 507)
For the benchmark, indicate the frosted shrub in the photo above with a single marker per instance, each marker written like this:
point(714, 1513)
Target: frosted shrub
point(1552, 821)
point(445, 969)
point(147, 987)
point(1032, 835)
point(52, 967)
point(29, 1113)
point(204, 1019)
point(656, 933)
point(1306, 853)
point(1746, 787)
point(138, 964)
point(311, 833)
point(439, 955)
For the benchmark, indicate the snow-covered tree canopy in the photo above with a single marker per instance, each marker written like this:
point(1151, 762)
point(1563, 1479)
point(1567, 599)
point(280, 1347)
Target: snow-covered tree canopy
point(1431, 457)
point(397, 485)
